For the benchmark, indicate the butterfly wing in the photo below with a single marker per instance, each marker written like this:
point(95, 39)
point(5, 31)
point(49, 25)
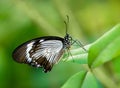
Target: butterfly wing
point(40, 52)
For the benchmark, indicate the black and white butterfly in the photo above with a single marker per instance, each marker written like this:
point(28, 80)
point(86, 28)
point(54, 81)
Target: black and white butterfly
point(44, 51)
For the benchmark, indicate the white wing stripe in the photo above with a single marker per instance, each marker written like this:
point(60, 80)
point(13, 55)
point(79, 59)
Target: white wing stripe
point(50, 50)
point(29, 47)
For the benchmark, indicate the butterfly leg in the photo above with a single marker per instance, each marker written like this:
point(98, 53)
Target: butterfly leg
point(68, 55)
point(80, 44)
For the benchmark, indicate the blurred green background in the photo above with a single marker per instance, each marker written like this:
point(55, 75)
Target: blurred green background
point(22, 20)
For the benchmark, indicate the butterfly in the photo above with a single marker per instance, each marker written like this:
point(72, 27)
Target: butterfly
point(43, 52)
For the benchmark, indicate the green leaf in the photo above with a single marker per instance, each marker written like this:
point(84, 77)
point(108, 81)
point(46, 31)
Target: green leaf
point(82, 80)
point(116, 66)
point(75, 81)
point(78, 55)
point(81, 59)
point(90, 81)
point(105, 48)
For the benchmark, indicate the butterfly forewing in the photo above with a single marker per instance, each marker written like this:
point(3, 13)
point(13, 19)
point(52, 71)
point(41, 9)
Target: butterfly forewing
point(41, 52)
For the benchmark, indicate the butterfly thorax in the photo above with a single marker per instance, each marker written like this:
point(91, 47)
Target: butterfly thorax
point(67, 41)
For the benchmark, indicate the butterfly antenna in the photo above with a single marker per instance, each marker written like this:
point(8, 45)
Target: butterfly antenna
point(66, 23)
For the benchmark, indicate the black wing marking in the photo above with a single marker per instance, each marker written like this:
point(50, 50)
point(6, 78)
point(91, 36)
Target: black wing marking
point(20, 55)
